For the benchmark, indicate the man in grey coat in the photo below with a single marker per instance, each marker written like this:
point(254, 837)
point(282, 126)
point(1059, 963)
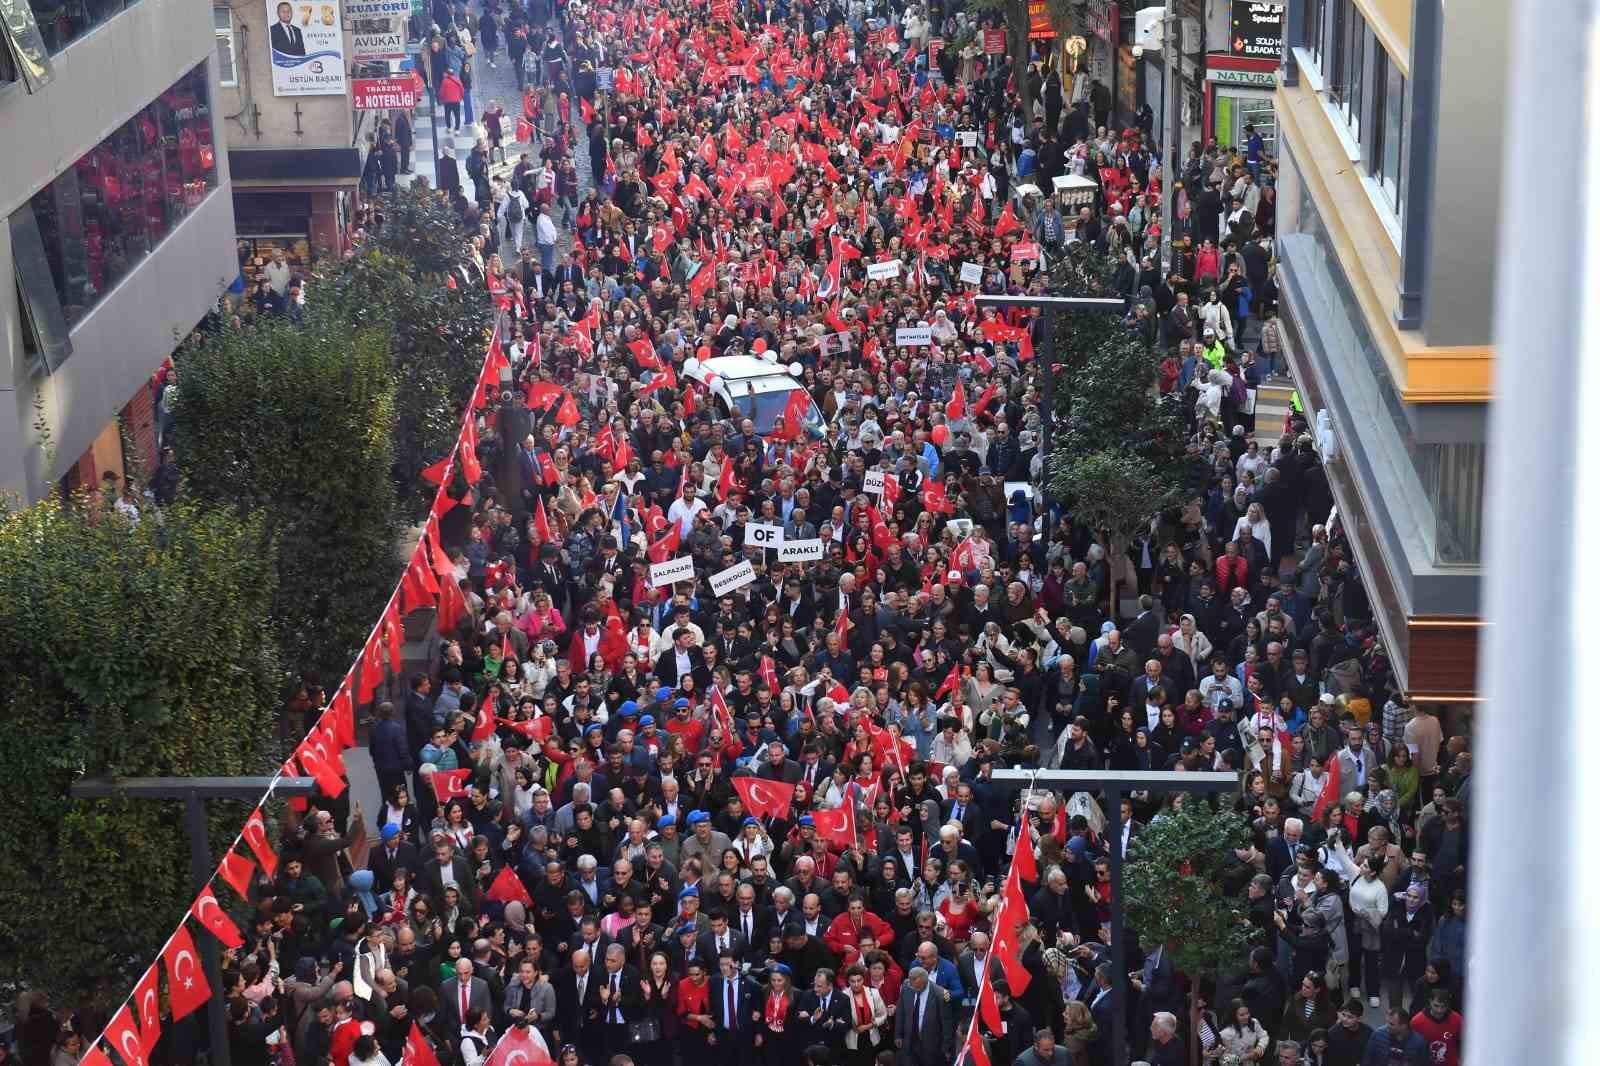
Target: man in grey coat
point(924, 1023)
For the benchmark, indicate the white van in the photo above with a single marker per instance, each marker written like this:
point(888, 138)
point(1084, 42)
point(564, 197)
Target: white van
point(747, 386)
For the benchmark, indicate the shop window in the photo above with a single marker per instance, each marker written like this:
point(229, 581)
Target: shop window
point(99, 218)
point(63, 21)
point(23, 56)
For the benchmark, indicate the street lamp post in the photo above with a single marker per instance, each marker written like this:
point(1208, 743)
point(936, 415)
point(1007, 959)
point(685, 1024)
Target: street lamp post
point(1115, 784)
point(194, 791)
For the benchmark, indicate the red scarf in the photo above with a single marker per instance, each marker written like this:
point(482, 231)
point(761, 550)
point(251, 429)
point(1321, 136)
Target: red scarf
point(777, 1010)
point(863, 1006)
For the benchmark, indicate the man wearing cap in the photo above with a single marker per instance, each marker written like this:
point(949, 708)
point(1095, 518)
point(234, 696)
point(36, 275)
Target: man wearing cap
point(394, 851)
point(704, 843)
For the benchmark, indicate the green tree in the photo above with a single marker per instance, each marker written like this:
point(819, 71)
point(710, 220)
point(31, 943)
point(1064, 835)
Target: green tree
point(437, 333)
point(295, 424)
point(125, 649)
point(1018, 46)
point(1119, 449)
point(1172, 888)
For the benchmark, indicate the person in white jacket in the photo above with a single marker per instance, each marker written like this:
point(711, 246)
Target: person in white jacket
point(1369, 902)
point(1214, 313)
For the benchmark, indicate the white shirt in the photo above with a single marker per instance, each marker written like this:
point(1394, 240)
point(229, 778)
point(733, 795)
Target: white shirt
point(544, 230)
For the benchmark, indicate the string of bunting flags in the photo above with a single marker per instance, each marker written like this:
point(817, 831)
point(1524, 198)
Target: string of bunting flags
point(428, 581)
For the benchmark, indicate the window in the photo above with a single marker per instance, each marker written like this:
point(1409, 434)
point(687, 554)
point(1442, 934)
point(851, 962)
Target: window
point(227, 67)
point(22, 52)
point(1348, 77)
point(1316, 23)
point(103, 215)
point(63, 21)
point(1389, 128)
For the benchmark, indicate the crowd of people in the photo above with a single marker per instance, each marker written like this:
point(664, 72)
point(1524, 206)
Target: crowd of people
point(566, 844)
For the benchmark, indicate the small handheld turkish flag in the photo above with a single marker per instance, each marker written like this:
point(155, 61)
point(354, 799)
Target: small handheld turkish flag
point(508, 888)
point(520, 1046)
point(448, 784)
point(418, 1051)
point(762, 797)
point(837, 826)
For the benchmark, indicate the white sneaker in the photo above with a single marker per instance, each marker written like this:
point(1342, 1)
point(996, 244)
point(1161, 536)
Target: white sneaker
point(1372, 1001)
point(1355, 992)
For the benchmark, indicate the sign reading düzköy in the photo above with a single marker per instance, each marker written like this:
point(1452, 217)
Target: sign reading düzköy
point(383, 94)
point(306, 42)
point(1257, 29)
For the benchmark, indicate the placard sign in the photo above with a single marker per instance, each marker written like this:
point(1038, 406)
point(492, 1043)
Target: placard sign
point(872, 481)
point(1024, 252)
point(679, 569)
point(605, 78)
point(913, 337)
point(883, 271)
point(733, 578)
point(967, 138)
point(762, 535)
point(306, 45)
point(971, 274)
point(994, 42)
point(837, 343)
point(799, 551)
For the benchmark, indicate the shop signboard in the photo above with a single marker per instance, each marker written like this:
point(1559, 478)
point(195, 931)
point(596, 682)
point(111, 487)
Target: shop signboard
point(383, 94)
point(1257, 29)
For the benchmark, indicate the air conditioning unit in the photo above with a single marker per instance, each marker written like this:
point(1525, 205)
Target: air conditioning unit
point(1147, 28)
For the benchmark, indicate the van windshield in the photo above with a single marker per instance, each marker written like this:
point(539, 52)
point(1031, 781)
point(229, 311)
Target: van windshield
point(764, 409)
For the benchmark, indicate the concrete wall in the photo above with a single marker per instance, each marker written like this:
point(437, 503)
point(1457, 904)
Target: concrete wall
point(1457, 308)
point(322, 121)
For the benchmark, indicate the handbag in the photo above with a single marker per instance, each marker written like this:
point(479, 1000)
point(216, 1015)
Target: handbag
point(644, 1031)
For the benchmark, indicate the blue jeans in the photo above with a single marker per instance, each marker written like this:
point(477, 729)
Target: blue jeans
point(547, 257)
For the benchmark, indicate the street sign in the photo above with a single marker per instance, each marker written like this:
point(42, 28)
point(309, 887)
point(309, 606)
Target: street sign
point(383, 94)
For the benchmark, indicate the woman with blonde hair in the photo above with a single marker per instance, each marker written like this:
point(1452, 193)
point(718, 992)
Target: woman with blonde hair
point(1078, 1030)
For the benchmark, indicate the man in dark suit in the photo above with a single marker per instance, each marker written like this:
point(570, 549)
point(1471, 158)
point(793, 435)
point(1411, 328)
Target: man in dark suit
point(722, 937)
point(461, 993)
point(682, 658)
point(286, 36)
point(777, 766)
point(924, 1025)
point(815, 768)
point(963, 808)
point(735, 1008)
point(1152, 678)
point(578, 1005)
point(1141, 633)
point(1100, 1006)
point(621, 1000)
point(449, 869)
point(394, 852)
point(824, 1013)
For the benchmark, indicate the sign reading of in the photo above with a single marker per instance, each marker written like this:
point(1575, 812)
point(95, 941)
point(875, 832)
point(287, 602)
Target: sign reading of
point(679, 569)
point(763, 536)
point(799, 551)
point(733, 578)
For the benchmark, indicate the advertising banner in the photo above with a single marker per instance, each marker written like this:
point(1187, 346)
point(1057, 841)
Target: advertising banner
point(306, 42)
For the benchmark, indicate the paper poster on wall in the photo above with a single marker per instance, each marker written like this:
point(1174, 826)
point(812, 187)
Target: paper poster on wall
point(306, 42)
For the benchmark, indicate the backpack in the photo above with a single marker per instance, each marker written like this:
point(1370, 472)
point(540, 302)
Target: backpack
point(514, 210)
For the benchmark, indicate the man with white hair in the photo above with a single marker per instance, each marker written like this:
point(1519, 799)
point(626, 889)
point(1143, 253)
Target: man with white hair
point(578, 1005)
point(924, 1023)
point(1165, 1047)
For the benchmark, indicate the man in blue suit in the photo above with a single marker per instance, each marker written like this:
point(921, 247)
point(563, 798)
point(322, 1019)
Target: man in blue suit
point(735, 1007)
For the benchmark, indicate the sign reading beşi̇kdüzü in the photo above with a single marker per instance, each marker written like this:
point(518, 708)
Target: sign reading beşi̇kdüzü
point(306, 42)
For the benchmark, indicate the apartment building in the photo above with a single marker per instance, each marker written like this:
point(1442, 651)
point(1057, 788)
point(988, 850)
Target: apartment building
point(119, 234)
point(1390, 127)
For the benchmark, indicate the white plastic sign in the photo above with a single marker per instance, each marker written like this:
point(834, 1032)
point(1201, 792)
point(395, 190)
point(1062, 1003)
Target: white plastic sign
point(679, 569)
point(733, 578)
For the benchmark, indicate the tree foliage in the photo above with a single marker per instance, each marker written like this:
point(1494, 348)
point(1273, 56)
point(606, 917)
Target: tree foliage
point(436, 333)
point(294, 424)
point(125, 649)
point(1173, 888)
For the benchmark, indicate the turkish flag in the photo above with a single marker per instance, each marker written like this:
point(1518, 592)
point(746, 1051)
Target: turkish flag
point(794, 415)
point(725, 479)
point(372, 666)
point(762, 797)
point(977, 1048)
point(984, 400)
point(645, 354)
point(965, 557)
point(520, 1047)
point(567, 413)
point(841, 626)
point(147, 1004)
point(951, 681)
point(483, 724)
point(541, 522)
point(419, 587)
point(187, 988)
point(1024, 860)
point(313, 762)
point(437, 472)
point(452, 605)
point(508, 887)
point(719, 709)
point(623, 455)
point(237, 871)
point(448, 784)
point(418, 1052)
point(210, 914)
point(341, 714)
point(1007, 222)
point(662, 550)
point(255, 834)
point(542, 395)
point(123, 1035)
point(769, 674)
point(469, 450)
point(891, 489)
point(956, 408)
point(935, 499)
point(1330, 791)
point(837, 827)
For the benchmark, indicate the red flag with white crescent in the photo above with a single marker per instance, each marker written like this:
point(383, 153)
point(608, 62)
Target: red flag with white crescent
point(237, 871)
point(838, 826)
point(418, 1052)
point(508, 888)
point(209, 913)
point(123, 1035)
point(762, 797)
point(520, 1047)
point(448, 784)
point(187, 988)
point(255, 834)
point(147, 1005)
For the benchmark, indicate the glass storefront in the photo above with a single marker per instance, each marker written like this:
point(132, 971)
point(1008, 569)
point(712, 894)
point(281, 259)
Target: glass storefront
point(108, 211)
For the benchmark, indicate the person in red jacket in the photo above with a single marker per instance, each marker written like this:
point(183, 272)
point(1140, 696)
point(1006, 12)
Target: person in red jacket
point(1440, 1027)
point(1232, 569)
point(346, 1031)
point(844, 932)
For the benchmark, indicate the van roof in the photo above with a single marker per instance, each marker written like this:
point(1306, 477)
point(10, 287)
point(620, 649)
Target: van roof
point(735, 367)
